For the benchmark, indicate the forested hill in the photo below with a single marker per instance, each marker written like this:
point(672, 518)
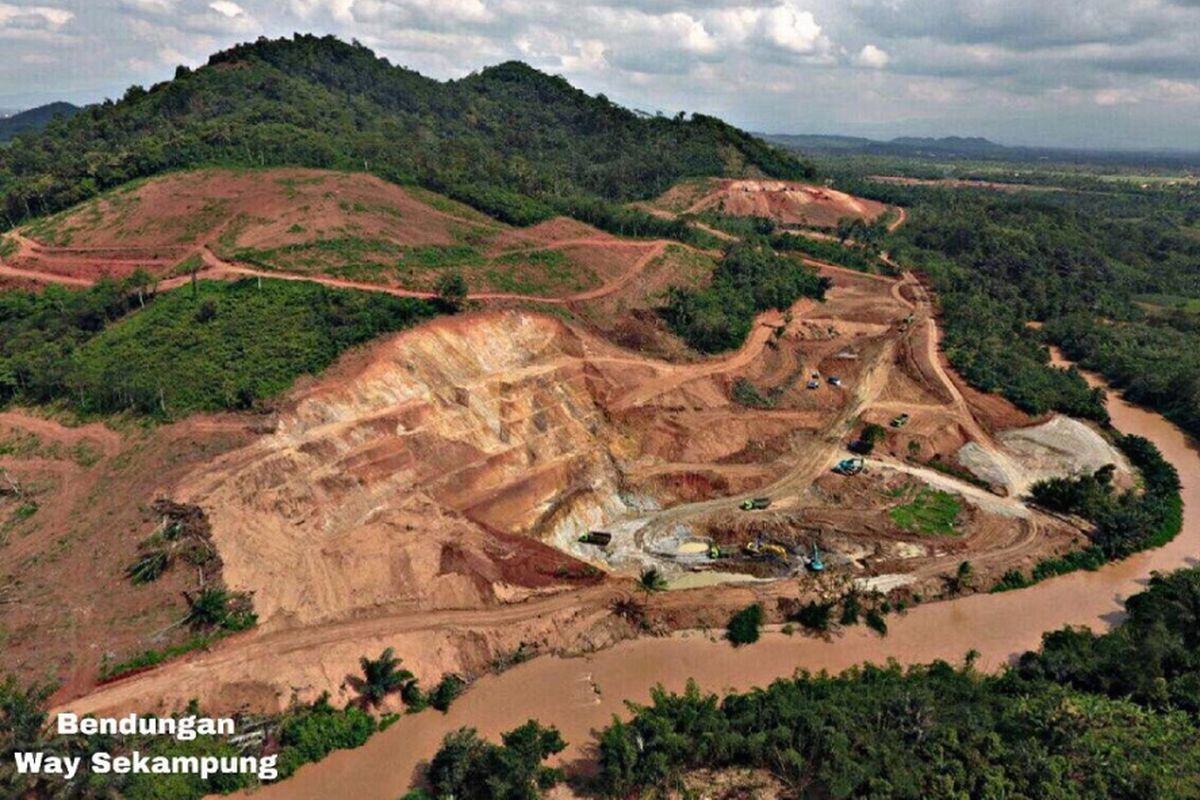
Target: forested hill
point(511, 140)
point(35, 119)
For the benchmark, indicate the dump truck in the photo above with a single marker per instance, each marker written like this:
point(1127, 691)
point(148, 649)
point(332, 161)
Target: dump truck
point(756, 504)
point(597, 538)
point(849, 466)
point(900, 421)
point(834, 380)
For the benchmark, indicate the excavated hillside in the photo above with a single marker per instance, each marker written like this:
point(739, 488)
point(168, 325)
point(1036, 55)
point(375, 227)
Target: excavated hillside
point(379, 490)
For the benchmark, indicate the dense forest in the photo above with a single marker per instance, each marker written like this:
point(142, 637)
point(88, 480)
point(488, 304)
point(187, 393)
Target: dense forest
point(509, 140)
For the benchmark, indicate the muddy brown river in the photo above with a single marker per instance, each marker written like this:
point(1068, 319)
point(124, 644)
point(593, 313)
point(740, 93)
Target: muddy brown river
point(580, 695)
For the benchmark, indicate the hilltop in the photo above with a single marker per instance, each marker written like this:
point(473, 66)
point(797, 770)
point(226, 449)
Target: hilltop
point(510, 140)
point(35, 119)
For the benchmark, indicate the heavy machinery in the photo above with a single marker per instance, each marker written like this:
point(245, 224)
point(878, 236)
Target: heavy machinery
point(900, 421)
point(597, 538)
point(761, 548)
point(834, 380)
point(756, 504)
point(815, 563)
point(849, 466)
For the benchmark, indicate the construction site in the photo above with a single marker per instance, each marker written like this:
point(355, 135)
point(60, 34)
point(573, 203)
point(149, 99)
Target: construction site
point(499, 478)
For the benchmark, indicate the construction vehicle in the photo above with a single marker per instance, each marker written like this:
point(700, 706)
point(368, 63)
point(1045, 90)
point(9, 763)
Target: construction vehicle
point(814, 384)
point(715, 552)
point(834, 380)
point(815, 563)
point(756, 504)
point(597, 538)
point(761, 548)
point(849, 466)
point(900, 421)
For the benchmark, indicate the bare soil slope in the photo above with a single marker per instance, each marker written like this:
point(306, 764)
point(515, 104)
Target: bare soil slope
point(315, 223)
point(787, 202)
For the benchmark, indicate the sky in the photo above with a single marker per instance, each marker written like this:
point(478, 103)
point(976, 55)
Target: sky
point(1077, 73)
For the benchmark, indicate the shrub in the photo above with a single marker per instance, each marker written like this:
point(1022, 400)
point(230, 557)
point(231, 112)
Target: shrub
point(744, 625)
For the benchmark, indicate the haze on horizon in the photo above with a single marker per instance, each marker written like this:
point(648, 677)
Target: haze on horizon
point(1095, 73)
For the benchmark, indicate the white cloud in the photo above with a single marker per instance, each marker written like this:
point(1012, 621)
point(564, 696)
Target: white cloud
point(226, 8)
point(792, 29)
point(41, 16)
point(873, 57)
point(1116, 97)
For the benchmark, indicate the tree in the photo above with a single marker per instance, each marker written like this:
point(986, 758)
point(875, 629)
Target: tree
point(467, 767)
point(744, 625)
point(452, 289)
point(381, 676)
point(651, 580)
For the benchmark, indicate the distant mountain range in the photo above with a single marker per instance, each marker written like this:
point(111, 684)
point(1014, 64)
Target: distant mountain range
point(35, 119)
point(972, 147)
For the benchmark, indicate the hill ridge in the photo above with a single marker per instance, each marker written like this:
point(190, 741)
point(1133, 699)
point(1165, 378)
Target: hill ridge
point(510, 140)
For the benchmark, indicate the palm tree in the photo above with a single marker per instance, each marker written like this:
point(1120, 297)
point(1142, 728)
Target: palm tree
point(208, 609)
point(381, 676)
point(652, 581)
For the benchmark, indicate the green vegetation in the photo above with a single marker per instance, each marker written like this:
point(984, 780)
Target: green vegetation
point(751, 278)
point(815, 616)
point(745, 393)
point(744, 626)
point(452, 289)
point(1124, 523)
point(154, 657)
point(651, 581)
point(931, 511)
point(381, 677)
point(309, 733)
point(228, 346)
point(320, 102)
point(469, 768)
point(871, 434)
point(449, 688)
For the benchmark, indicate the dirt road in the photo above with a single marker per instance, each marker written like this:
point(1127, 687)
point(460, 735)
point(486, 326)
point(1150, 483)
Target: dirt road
point(580, 695)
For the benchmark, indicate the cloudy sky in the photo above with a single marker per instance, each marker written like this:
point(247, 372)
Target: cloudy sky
point(1122, 73)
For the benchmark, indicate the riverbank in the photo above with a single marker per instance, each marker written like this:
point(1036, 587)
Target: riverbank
point(580, 695)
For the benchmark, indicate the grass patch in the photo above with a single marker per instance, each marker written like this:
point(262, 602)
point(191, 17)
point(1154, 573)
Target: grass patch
point(931, 512)
point(1170, 302)
point(152, 658)
point(8, 246)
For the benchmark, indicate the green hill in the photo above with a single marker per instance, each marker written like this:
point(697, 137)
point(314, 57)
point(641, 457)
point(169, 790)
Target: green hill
point(513, 141)
point(35, 119)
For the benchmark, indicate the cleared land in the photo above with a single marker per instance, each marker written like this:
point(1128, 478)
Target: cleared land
point(787, 202)
point(429, 491)
point(315, 223)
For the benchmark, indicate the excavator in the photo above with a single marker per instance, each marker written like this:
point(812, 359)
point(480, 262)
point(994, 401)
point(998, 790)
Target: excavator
point(761, 548)
point(815, 563)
